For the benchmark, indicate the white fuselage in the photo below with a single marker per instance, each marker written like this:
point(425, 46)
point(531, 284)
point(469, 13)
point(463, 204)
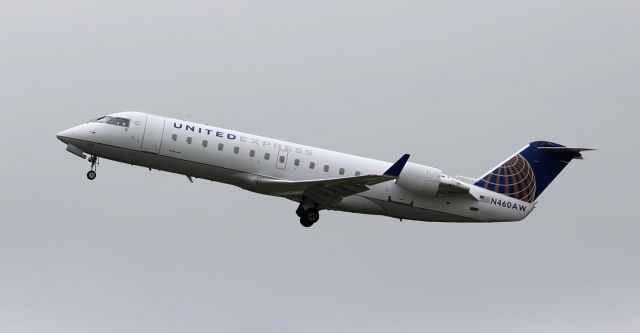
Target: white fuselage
point(242, 159)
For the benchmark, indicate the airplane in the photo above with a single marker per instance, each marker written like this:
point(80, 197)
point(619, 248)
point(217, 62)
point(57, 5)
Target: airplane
point(319, 179)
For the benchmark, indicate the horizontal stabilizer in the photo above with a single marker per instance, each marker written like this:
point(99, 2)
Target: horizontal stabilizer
point(573, 152)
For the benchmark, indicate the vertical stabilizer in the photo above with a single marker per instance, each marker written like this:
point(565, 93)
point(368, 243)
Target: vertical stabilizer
point(527, 173)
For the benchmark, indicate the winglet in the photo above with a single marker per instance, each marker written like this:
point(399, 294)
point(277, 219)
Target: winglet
point(397, 167)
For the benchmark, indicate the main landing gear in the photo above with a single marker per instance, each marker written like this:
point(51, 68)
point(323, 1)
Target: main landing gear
point(91, 175)
point(308, 214)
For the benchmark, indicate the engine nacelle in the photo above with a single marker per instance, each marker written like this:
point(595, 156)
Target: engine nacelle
point(419, 179)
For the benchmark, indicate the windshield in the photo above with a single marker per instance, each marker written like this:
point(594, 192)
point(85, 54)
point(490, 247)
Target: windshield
point(112, 121)
point(119, 121)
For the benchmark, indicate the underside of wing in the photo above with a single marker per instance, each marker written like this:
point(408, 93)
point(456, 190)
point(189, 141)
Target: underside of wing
point(322, 191)
point(332, 190)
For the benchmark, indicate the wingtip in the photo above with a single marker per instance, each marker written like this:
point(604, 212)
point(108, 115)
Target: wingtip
point(397, 167)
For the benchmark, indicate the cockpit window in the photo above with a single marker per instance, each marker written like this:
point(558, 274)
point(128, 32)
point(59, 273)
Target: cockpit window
point(119, 121)
point(112, 121)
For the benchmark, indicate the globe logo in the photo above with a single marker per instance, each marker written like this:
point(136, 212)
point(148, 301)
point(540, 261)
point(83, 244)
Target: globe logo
point(514, 178)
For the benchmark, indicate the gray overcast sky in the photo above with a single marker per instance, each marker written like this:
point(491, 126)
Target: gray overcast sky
point(458, 84)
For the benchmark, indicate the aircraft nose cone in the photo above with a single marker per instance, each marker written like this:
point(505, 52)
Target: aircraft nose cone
point(64, 135)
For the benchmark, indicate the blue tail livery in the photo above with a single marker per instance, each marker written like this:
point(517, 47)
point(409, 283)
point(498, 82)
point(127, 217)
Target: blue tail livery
point(526, 174)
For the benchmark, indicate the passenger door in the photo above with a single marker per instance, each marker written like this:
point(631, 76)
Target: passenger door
point(153, 132)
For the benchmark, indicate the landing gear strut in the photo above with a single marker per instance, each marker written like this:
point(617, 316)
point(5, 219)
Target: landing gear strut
point(308, 213)
point(91, 175)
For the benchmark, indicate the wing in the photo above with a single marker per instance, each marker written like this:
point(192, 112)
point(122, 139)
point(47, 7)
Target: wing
point(329, 191)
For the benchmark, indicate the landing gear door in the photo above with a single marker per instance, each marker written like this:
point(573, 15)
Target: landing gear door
point(153, 132)
point(281, 161)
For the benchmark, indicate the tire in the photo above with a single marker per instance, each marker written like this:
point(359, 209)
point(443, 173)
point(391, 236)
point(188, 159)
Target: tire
point(305, 223)
point(312, 215)
point(91, 175)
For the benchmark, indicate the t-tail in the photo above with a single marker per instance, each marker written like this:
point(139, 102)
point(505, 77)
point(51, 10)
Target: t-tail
point(526, 174)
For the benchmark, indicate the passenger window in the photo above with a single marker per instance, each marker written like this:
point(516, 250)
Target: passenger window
point(220, 146)
point(341, 171)
point(267, 156)
point(236, 150)
point(282, 159)
point(357, 173)
point(252, 153)
point(296, 162)
point(326, 168)
point(312, 165)
point(174, 137)
point(189, 139)
point(205, 143)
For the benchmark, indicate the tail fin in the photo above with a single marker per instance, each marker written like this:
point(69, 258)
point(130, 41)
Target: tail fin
point(528, 172)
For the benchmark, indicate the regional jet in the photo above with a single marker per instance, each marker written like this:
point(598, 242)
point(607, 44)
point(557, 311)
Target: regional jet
point(319, 179)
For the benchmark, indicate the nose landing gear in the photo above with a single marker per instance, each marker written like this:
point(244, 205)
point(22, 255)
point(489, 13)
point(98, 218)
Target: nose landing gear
point(91, 175)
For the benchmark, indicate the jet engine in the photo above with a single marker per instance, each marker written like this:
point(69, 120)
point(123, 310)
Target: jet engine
point(419, 179)
point(424, 180)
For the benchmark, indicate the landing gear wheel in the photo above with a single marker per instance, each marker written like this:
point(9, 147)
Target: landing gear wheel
point(305, 223)
point(309, 217)
point(94, 165)
point(312, 215)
